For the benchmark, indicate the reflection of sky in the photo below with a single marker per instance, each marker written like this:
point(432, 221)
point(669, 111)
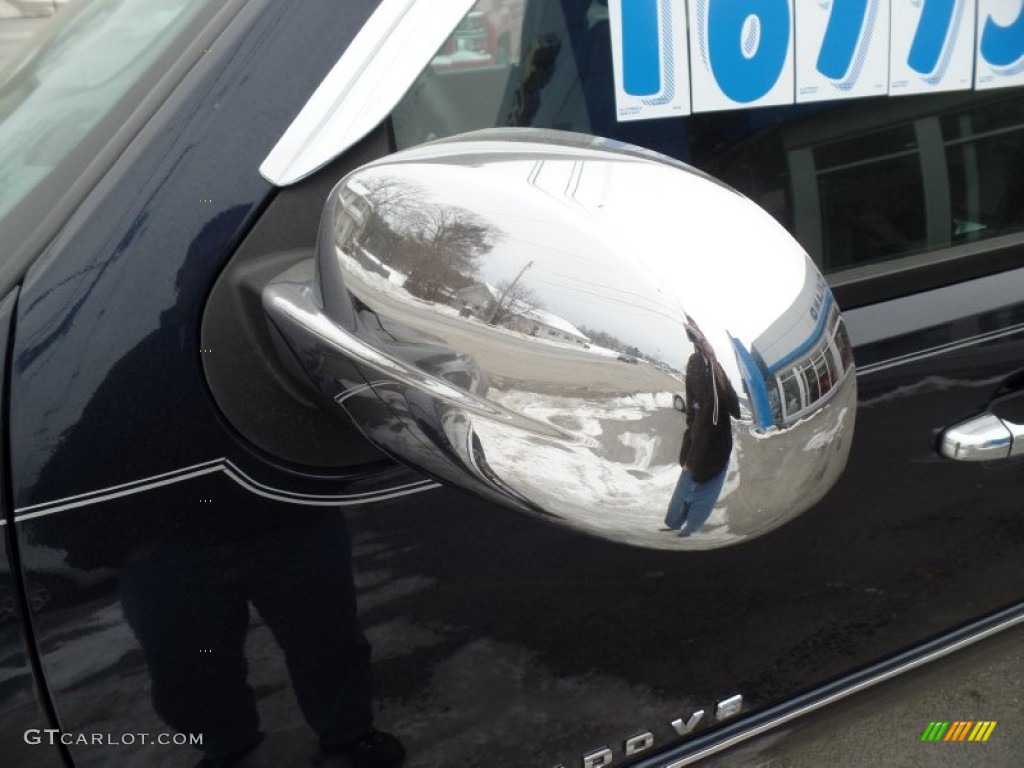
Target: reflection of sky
point(575, 273)
point(75, 81)
point(623, 246)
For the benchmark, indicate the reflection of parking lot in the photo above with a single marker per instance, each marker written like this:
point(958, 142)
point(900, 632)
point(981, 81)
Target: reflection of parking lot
point(625, 463)
point(642, 432)
point(514, 360)
point(488, 35)
point(510, 359)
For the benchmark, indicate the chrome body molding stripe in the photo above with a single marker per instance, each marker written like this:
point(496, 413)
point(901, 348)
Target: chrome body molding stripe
point(391, 50)
point(227, 467)
point(749, 728)
point(941, 349)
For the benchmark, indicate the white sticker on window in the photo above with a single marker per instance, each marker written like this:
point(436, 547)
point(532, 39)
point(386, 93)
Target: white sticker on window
point(842, 49)
point(931, 46)
point(999, 61)
point(672, 58)
point(741, 53)
point(649, 58)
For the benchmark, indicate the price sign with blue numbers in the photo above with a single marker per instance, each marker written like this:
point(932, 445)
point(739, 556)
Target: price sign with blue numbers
point(999, 61)
point(673, 57)
point(842, 49)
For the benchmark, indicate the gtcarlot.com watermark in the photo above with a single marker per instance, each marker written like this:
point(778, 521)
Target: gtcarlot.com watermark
point(54, 736)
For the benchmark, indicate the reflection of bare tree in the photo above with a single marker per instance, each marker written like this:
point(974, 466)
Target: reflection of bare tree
point(435, 246)
point(387, 200)
point(515, 300)
point(537, 70)
point(390, 196)
point(448, 241)
point(610, 341)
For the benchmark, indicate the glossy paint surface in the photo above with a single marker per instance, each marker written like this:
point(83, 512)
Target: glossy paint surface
point(108, 329)
point(23, 707)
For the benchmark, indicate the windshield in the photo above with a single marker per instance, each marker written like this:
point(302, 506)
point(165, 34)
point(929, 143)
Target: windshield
point(69, 81)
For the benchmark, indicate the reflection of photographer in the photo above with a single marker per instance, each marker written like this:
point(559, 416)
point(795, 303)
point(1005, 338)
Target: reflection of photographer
point(188, 604)
point(707, 442)
point(189, 573)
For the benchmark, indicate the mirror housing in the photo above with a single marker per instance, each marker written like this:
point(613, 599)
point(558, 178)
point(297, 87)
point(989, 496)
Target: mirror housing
point(522, 313)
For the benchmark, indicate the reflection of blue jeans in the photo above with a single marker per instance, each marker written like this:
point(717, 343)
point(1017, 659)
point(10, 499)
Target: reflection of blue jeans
point(692, 502)
point(189, 607)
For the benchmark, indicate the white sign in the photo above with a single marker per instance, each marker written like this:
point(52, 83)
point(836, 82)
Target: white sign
point(649, 58)
point(931, 46)
point(842, 49)
point(738, 54)
point(741, 53)
point(999, 61)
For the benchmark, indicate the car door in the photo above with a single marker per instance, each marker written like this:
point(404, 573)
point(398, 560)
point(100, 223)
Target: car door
point(138, 201)
point(852, 586)
point(905, 206)
point(161, 447)
point(25, 712)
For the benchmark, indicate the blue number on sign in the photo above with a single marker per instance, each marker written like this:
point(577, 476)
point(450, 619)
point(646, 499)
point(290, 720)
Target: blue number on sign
point(747, 45)
point(841, 37)
point(932, 32)
point(1002, 46)
point(641, 66)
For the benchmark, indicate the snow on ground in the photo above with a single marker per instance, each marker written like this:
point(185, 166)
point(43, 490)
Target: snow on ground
point(619, 489)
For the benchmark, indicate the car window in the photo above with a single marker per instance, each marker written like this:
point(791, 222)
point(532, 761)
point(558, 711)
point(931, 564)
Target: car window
point(864, 181)
point(66, 85)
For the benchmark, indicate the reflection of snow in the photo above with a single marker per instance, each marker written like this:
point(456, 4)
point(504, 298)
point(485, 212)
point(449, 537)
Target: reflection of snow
point(464, 57)
point(518, 692)
point(399, 637)
point(641, 444)
point(619, 488)
point(732, 475)
point(583, 415)
point(927, 385)
point(550, 473)
point(101, 640)
point(775, 431)
point(825, 437)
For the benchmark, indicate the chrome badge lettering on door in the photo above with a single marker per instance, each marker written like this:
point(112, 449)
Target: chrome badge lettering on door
point(642, 741)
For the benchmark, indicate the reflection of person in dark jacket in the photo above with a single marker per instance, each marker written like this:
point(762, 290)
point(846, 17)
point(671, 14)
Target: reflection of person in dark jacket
point(707, 442)
point(189, 572)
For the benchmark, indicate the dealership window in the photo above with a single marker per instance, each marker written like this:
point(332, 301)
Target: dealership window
point(795, 384)
point(859, 182)
point(985, 160)
point(856, 227)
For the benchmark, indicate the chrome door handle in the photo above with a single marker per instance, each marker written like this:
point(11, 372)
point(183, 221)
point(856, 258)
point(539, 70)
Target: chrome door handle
point(983, 438)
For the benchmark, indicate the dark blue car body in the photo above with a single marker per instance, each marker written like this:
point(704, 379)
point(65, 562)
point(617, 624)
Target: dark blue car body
point(498, 640)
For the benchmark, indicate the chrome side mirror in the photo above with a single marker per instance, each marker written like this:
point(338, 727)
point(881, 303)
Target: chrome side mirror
point(559, 323)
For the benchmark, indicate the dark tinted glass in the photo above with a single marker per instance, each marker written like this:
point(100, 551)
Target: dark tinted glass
point(858, 182)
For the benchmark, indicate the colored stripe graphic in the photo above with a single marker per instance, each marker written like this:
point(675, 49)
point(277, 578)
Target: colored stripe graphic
point(934, 731)
point(958, 730)
point(982, 731)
